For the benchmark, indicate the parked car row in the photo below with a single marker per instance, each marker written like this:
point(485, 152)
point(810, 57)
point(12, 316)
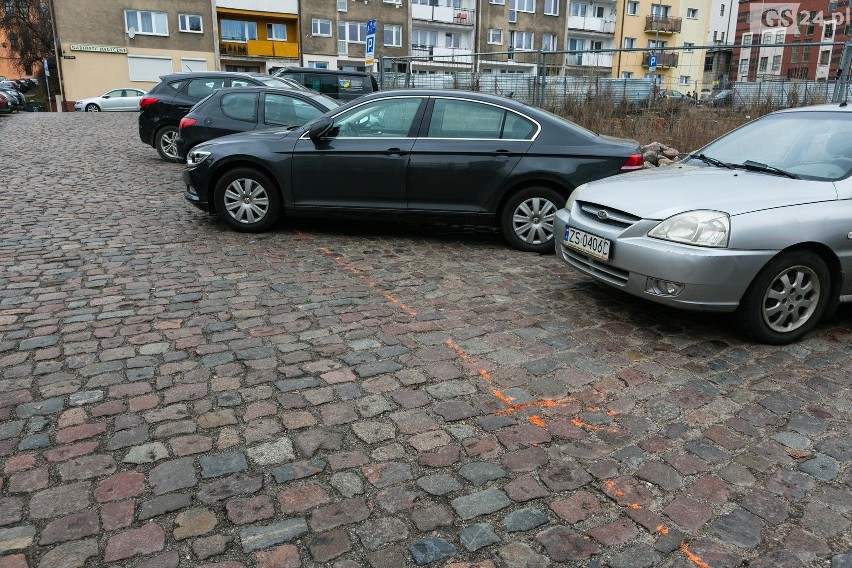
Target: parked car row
point(755, 223)
point(12, 99)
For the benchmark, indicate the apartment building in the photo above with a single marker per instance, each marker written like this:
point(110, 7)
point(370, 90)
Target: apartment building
point(657, 28)
point(258, 35)
point(591, 28)
point(334, 32)
point(104, 44)
point(443, 34)
point(721, 35)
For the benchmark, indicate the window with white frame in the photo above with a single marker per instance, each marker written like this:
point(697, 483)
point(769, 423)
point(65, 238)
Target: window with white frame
point(632, 8)
point(743, 66)
point(683, 80)
point(495, 36)
point(629, 42)
point(397, 2)
point(551, 7)
point(577, 9)
point(146, 23)
point(548, 42)
point(277, 32)
point(393, 36)
point(687, 46)
point(766, 37)
point(824, 57)
point(236, 30)
point(746, 39)
point(692, 13)
point(763, 64)
point(722, 10)
point(627, 74)
point(521, 41)
point(190, 23)
point(779, 36)
point(598, 11)
point(342, 5)
point(423, 38)
point(318, 64)
point(523, 5)
point(352, 32)
point(502, 2)
point(452, 40)
point(776, 62)
point(321, 28)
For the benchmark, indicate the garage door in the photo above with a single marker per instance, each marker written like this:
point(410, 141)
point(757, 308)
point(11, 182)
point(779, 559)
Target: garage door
point(148, 68)
point(193, 64)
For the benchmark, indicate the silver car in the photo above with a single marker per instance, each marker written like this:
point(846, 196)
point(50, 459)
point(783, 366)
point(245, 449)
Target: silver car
point(114, 100)
point(758, 222)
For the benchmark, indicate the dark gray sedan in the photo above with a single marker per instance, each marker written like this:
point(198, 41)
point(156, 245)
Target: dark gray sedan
point(758, 222)
point(448, 156)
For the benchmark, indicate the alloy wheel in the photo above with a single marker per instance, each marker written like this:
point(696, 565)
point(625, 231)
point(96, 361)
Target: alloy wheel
point(532, 220)
point(791, 299)
point(246, 201)
point(168, 143)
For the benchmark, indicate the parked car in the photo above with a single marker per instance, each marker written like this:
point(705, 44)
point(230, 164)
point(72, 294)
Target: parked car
point(670, 96)
point(5, 106)
point(15, 96)
point(450, 156)
point(343, 85)
point(249, 108)
point(755, 223)
point(169, 101)
point(126, 98)
point(722, 98)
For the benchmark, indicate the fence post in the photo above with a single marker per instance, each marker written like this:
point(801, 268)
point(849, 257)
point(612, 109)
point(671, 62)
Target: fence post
point(842, 85)
point(382, 72)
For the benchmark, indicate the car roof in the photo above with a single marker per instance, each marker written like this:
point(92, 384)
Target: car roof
point(836, 107)
point(320, 71)
point(190, 74)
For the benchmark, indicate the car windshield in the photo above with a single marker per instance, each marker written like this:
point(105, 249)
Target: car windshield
point(814, 145)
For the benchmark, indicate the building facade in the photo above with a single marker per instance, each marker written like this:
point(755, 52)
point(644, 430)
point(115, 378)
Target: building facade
point(443, 35)
point(104, 44)
point(258, 35)
point(333, 32)
point(721, 36)
point(591, 27)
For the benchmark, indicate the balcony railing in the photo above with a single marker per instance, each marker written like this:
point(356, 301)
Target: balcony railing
point(663, 59)
point(591, 24)
point(260, 48)
point(663, 24)
point(589, 59)
point(444, 14)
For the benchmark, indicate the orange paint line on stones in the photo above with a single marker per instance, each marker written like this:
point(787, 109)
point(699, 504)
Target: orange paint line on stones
point(341, 262)
point(693, 557)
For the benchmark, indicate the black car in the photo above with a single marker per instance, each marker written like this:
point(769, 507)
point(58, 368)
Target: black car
point(249, 108)
point(451, 156)
point(343, 85)
point(169, 101)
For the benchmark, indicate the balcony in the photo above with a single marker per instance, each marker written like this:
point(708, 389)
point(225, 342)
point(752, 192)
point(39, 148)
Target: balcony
point(443, 14)
point(442, 54)
point(590, 24)
point(664, 60)
point(587, 59)
point(663, 24)
point(260, 48)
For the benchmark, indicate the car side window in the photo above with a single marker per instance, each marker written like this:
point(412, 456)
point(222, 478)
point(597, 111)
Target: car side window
point(388, 118)
point(239, 106)
point(287, 111)
point(453, 118)
point(517, 127)
point(200, 88)
point(242, 83)
point(324, 83)
point(115, 94)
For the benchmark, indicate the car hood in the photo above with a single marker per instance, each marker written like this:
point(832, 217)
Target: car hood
point(256, 136)
point(662, 192)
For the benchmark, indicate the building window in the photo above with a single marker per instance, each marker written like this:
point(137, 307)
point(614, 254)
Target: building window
point(551, 7)
point(776, 62)
point(393, 36)
point(687, 47)
point(692, 13)
point(342, 5)
point(683, 80)
point(501, 2)
point(627, 74)
point(598, 11)
point(746, 39)
point(495, 36)
point(277, 32)
point(763, 64)
point(660, 11)
point(794, 54)
point(632, 8)
point(829, 31)
point(521, 41)
point(423, 38)
point(548, 42)
point(766, 38)
point(452, 40)
point(189, 23)
point(235, 30)
point(743, 66)
point(147, 23)
point(722, 10)
point(352, 32)
point(715, 33)
point(397, 2)
point(318, 64)
point(629, 42)
point(321, 28)
point(824, 57)
point(779, 36)
point(722, 37)
point(577, 9)
point(524, 5)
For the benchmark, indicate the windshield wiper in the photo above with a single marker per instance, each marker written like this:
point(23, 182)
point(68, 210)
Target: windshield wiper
point(758, 167)
point(712, 161)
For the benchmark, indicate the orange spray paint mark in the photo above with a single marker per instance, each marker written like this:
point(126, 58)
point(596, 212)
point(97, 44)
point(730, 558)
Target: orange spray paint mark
point(538, 421)
point(693, 557)
point(635, 506)
point(662, 529)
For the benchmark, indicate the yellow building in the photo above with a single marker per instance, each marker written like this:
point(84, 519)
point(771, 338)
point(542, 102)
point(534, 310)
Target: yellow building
point(258, 35)
point(666, 29)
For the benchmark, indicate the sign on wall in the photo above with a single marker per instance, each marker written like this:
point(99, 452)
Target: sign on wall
point(97, 48)
point(370, 51)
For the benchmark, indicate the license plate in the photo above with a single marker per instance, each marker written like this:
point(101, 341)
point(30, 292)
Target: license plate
point(588, 243)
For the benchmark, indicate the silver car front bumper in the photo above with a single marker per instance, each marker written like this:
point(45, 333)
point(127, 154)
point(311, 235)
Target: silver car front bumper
point(709, 279)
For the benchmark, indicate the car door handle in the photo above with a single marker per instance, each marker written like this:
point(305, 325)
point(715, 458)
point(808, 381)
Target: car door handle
point(396, 151)
point(502, 152)
point(184, 107)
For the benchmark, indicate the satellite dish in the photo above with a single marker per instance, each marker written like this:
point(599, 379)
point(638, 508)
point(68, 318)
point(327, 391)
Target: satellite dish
point(131, 32)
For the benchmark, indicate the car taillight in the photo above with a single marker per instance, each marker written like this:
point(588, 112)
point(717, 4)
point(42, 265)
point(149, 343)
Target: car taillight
point(186, 122)
point(147, 101)
point(634, 162)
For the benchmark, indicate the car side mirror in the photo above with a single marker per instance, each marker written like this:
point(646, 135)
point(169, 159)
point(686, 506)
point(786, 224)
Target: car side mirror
point(320, 128)
point(105, 97)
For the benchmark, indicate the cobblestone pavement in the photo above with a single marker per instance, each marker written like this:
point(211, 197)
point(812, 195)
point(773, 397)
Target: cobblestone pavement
point(345, 394)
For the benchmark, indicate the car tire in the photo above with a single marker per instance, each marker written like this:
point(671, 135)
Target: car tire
point(247, 200)
point(92, 107)
point(165, 140)
point(527, 219)
point(786, 299)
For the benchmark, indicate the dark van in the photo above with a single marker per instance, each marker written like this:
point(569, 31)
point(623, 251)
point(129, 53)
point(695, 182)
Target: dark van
point(343, 85)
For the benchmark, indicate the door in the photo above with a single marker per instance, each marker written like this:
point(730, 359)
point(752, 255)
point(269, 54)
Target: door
point(468, 150)
point(362, 164)
point(112, 100)
point(132, 98)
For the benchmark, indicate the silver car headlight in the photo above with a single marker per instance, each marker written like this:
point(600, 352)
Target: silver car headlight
point(700, 228)
point(573, 197)
point(195, 157)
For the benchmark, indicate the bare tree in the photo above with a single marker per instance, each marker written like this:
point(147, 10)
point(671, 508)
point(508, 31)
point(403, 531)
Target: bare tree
point(28, 30)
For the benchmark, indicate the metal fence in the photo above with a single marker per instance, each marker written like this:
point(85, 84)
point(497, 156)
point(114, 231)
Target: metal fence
point(750, 75)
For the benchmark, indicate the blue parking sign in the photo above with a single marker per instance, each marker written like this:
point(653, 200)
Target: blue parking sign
point(652, 62)
point(370, 47)
point(371, 27)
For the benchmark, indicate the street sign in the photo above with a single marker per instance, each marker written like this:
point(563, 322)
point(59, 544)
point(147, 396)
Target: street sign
point(370, 50)
point(46, 70)
point(652, 63)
